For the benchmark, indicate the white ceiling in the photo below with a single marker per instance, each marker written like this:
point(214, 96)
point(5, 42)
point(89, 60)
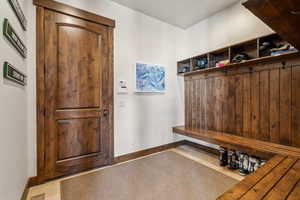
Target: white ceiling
point(181, 13)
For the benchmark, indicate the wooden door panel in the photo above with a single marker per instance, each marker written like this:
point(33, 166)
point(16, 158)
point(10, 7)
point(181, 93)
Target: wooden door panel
point(78, 58)
point(73, 142)
point(77, 113)
point(76, 66)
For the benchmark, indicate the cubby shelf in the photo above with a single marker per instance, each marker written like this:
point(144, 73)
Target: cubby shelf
point(250, 47)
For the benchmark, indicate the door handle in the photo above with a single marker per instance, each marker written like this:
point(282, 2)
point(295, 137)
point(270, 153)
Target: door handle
point(105, 113)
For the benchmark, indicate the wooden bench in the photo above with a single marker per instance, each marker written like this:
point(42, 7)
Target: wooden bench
point(278, 179)
point(254, 147)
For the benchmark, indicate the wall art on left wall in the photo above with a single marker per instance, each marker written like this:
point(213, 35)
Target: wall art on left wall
point(19, 13)
point(150, 78)
point(13, 38)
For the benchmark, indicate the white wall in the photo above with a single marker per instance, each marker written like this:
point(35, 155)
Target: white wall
point(232, 25)
point(13, 115)
point(141, 120)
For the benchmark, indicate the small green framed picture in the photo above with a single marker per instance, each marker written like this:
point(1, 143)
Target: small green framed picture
point(13, 38)
point(19, 13)
point(12, 74)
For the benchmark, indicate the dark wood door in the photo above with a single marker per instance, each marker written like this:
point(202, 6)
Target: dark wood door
point(77, 97)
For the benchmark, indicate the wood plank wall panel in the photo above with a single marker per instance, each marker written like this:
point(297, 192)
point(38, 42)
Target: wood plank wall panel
point(229, 105)
point(247, 105)
point(186, 103)
point(193, 88)
point(255, 105)
point(296, 106)
point(209, 105)
point(285, 106)
point(203, 98)
point(262, 103)
point(239, 101)
point(198, 104)
point(216, 107)
point(274, 106)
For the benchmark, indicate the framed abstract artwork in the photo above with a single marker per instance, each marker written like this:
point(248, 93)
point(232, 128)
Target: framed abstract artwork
point(150, 78)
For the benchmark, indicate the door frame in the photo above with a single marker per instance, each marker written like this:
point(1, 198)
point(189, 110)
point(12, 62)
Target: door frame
point(41, 5)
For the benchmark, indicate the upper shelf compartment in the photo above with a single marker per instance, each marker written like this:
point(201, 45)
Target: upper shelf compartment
point(252, 51)
point(283, 16)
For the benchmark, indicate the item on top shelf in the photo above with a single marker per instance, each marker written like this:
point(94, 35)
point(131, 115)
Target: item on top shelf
point(244, 164)
point(254, 164)
point(265, 48)
point(240, 57)
point(282, 48)
point(233, 160)
point(223, 156)
point(212, 63)
point(201, 63)
point(184, 68)
point(222, 63)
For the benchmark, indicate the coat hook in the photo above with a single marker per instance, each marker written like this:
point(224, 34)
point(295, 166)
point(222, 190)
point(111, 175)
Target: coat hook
point(283, 64)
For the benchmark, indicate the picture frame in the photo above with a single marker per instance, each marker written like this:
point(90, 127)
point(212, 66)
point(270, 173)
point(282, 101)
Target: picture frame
point(150, 78)
point(13, 38)
point(19, 13)
point(12, 74)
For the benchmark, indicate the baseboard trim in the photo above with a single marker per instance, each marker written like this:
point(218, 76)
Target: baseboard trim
point(201, 147)
point(165, 147)
point(32, 181)
point(146, 152)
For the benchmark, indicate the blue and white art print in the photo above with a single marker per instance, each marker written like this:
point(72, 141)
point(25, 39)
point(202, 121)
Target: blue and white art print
point(150, 78)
